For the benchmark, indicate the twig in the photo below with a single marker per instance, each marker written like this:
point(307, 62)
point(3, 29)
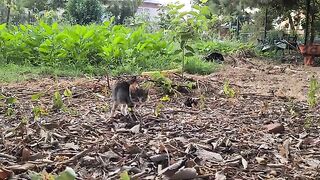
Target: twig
point(8, 156)
point(77, 156)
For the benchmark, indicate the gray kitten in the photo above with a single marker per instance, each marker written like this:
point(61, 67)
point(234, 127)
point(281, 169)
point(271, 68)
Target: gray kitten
point(121, 96)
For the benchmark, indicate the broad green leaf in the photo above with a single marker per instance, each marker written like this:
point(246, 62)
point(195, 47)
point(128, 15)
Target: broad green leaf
point(2, 26)
point(55, 26)
point(165, 98)
point(23, 27)
point(57, 100)
point(2, 96)
point(67, 174)
point(189, 48)
point(178, 51)
point(189, 54)
point(124, 176)
point(36, 97)
point(67, 92)
point(11, 100)
point(88, 34)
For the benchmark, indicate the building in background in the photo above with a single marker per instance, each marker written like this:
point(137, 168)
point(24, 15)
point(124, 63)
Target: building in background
point(151, 7)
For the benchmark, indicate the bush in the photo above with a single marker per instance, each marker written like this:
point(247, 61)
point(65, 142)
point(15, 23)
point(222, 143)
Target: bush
point(198, 66)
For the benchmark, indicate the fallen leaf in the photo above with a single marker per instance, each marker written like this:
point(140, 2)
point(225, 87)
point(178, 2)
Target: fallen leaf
point(186, 173)
point(135, 129)
point(171, 170)
point(71, 146)
point(21, 168)
point(314, 163)
point(207, 155)
point(5, 174)
point(26, 154)
point(261, 161)
point(220, 176)
point(244, 163)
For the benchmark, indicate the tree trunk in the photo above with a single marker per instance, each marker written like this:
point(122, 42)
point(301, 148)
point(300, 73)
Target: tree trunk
point(306, 33)
point(266, 24)
point(8, 11)
point(292, 28)
point(312, 24)
point(238, 27)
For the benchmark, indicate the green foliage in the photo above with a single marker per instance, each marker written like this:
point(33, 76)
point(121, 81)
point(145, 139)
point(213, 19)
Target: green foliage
point(163, 82)
point(67, 174)
point(224, 47)
point(158, 109)
point(84, 11)
point(165, 98)
point(312, 93)
point(228, 91)
point(197, 66)
point(86, 47)
point(57, 101)
point(7, 103)
point(124, 176)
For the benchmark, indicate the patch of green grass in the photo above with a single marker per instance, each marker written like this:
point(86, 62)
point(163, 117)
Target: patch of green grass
point(18, 73)
point(198, 66)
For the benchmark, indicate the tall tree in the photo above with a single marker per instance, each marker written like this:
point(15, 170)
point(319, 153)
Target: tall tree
point(121, 9)
point(84, 11)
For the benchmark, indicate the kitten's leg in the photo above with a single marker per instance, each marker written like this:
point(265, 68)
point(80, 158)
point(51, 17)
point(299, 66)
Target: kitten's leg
point(125, 109)
point(121, 108)
point(113, 110)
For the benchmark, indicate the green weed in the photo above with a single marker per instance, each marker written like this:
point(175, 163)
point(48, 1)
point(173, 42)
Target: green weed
point(228, 91)
point(197, 66)
point(312, 93)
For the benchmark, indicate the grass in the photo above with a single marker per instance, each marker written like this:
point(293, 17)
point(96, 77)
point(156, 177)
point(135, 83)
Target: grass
point(198, 66)
point(18, 73)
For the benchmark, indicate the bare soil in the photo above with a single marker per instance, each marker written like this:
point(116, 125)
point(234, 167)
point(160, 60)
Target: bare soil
point(220, 138)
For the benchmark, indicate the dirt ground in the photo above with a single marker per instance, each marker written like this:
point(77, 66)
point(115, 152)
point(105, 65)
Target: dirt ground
point(267, 131)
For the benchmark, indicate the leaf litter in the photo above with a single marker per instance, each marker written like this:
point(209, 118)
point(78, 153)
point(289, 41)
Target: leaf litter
point(214, 137)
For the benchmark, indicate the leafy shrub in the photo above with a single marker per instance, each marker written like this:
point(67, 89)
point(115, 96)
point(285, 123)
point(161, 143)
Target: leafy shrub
point(197, 66)
point(224, 47)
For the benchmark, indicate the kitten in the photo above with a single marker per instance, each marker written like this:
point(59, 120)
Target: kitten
point(214, 56)
point(139, 95)
point(121, 95)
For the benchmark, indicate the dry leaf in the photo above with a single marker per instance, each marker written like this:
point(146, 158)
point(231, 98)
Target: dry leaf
point(261, 161)
point(220, 176)
point(244, 163)
point(26, 154)
point(186, 173)
point(5, 174)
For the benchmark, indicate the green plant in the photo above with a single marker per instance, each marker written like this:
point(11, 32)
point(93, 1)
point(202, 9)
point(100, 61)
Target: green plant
point(67, 174)
point(158, 109)
point(57, 101)
point(312, 92)
point(165, 98)
point(8, 103)
point(228, 91)
point(163, 82)
point(197, 66)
